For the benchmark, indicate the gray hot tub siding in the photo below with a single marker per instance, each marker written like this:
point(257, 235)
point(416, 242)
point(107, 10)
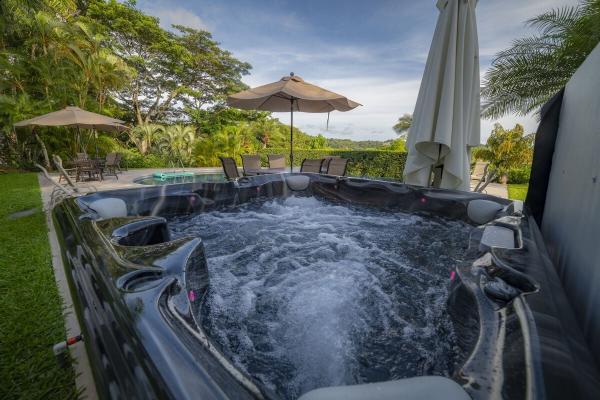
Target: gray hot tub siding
point(131, 284)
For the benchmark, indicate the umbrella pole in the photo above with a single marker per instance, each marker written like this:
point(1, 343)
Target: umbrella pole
point(292, 134)
point(78, 142)
point(96, 140)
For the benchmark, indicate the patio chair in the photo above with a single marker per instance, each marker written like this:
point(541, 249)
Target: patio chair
point(230, 168)
point(81, 157)
point(488, 176)
point(337, 166)
point(75, 186)
point(312, 165)
point(118, 161)
point(89, 167)
point(276, 160)
point(250, 163)
point(326, 161)
point(111, 164)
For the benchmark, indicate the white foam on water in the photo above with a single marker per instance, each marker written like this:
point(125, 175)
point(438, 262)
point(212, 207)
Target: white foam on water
point(305, 293)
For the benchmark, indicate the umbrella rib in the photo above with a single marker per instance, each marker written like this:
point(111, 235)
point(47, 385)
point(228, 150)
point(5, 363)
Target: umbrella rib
point(261, 104)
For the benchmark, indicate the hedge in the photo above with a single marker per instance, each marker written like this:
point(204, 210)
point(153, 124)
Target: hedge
point(368, 163)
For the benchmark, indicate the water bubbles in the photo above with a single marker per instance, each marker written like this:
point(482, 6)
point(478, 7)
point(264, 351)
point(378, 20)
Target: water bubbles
point(305, 293)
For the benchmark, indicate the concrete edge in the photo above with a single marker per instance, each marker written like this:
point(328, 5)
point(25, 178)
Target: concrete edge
point(84, 378)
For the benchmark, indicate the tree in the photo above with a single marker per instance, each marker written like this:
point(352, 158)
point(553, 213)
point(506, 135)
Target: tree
point(318, 142)
point(403, 125)
point(507, 149)
point(525, 76)
point(176, 72)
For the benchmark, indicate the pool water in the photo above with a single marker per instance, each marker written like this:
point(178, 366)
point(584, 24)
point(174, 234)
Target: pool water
point(204, 178)
point(307, 293)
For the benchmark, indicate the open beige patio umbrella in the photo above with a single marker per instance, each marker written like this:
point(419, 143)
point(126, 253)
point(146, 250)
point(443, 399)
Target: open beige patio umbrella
point(446, 122)
point(291, 93)
point(76, 117)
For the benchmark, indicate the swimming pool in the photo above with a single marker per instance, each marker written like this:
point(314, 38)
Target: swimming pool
point(196, 178)
point(288, 285)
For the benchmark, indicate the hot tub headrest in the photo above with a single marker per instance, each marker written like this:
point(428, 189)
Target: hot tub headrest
point(110, 207)
point(423, 387)
point(483, 211)
point(297, 182)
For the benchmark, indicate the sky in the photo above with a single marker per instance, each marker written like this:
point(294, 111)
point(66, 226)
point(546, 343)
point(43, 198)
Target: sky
point(372, 51)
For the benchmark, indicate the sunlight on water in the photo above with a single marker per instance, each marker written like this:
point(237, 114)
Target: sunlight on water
point(305, 293)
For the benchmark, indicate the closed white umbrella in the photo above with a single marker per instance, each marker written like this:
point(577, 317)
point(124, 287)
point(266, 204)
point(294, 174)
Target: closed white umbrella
point(446, 122)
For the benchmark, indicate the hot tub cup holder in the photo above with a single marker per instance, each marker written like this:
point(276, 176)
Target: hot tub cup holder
point(499, 282)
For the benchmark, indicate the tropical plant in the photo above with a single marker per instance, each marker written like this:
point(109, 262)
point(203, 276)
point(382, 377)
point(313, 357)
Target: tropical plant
point(177, 143)
point(507, 149)
point(526, 75)
point(146, 136)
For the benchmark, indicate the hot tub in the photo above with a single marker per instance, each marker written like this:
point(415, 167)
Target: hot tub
point(318, 287)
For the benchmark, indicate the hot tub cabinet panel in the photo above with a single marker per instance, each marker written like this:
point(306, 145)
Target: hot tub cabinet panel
point(137, 293)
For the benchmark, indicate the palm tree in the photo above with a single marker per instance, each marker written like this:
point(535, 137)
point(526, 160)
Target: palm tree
point(146, 136)
point(177, 142)
point(525, 76)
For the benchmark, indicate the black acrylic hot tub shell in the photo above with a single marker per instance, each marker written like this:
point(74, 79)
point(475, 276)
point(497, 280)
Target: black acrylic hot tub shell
point(131, 286)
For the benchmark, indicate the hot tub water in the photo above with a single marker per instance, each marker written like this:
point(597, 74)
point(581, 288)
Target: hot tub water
point(306, 293)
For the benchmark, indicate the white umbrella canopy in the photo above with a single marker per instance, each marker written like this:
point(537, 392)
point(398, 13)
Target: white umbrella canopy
point(446, 122)
point(291, 93)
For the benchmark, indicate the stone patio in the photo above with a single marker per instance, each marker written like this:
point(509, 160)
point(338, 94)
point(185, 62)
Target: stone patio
point(126, 180)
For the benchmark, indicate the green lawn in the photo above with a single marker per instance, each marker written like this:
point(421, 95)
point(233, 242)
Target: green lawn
point(30, 307)
point(517, 191)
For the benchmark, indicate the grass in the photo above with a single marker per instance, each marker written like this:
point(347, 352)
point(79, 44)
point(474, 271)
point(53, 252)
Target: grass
point(517, 191)
point(30, 306)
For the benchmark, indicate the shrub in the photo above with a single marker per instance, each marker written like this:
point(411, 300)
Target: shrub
point(133, 159)
point(519, 175)
point(368, 163)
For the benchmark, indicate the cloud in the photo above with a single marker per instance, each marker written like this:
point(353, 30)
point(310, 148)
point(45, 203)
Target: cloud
point(373, 53)
point(177, 16)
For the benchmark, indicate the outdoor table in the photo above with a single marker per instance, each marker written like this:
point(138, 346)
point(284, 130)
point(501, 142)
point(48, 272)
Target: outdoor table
point(89, 167)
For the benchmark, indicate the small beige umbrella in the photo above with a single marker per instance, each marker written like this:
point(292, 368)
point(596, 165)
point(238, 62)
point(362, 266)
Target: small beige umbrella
point(75, 116)
point(291, 93)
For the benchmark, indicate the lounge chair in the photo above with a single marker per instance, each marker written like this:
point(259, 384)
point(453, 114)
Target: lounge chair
point(63, 173)
point(70, 172)
point(337, 166)
point(230, 168)
point(111, 165)
point(250, 164)
point(480, 170)
point(276, 160)
point(488, 176)
point(311, 165)
point(326, 161)
point(68, 189)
